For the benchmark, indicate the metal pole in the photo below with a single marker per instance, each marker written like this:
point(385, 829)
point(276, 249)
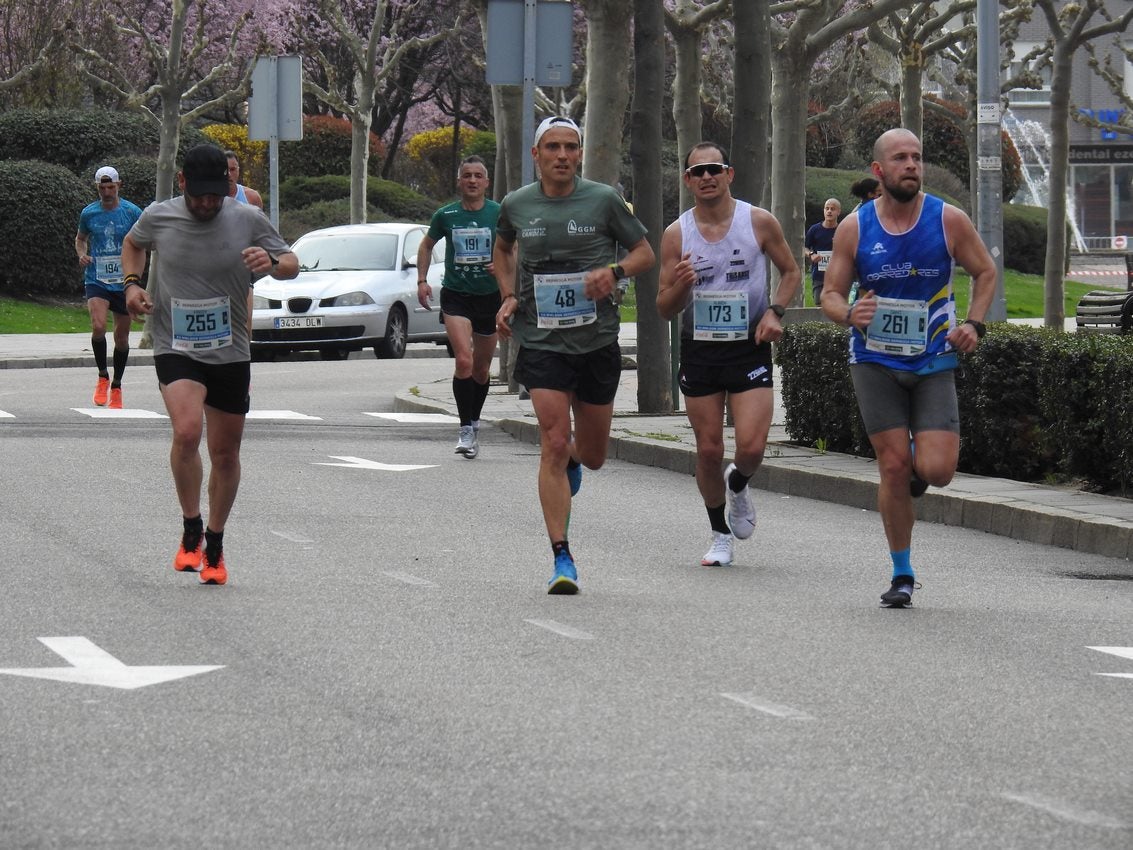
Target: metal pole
point(989, 188)
point(527, 172)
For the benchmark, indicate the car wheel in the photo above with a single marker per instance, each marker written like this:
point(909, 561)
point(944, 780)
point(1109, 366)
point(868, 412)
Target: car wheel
point(392, 346)
point(333, 353)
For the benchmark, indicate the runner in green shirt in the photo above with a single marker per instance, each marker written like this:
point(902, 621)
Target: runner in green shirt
point(470, 297)
point(563, 315)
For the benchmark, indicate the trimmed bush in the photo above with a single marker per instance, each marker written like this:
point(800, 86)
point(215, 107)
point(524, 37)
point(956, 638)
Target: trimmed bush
point(1024, 239)
point(294, 223)
point(37, 255)
point(324, 149)
point(818, 395)
point(75, 138)
point(396, 201)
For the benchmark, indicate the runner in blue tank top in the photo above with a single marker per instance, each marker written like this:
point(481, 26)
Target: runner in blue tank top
point(904, 334)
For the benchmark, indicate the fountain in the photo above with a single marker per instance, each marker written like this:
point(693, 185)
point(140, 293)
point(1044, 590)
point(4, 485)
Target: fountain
point(1032, 141)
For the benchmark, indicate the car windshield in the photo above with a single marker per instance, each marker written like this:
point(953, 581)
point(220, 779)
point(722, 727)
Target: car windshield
point(356, 252)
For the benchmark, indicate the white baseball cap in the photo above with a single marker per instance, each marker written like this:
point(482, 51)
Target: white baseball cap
point(107, 172)
point(556, 121)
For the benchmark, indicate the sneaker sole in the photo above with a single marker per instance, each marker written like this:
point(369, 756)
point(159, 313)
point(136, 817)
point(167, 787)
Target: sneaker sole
point(908, 604)
point(218, 580)
point(563, 586)
point(705, 563)
point(470, 454)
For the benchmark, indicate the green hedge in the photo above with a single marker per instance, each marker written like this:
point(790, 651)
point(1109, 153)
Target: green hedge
point(397, 201)
point(1034, 403)
point(39, 218)
point(325, 149)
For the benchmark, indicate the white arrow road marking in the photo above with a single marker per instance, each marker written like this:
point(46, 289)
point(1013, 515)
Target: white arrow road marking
point(409, 578)
point(1062, 810)
point(752, 700)
point(560, 629)
point(362, 463)
point(442, 418)
point(6, 415)
point(1120, 652)
point(122, 413)
point(91, 665)
point(281, 414)
point(294, 538)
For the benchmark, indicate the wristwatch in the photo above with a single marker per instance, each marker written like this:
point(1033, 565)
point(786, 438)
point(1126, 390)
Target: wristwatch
point(778, 310)
point(980, 327)
point(619, 272)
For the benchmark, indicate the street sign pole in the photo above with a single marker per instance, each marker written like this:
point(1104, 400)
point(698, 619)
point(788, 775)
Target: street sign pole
point(275, 112)
point(527, 172)
point(989, 147)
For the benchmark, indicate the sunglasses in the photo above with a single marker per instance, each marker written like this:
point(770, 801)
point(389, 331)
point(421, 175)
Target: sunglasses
point(712, 168)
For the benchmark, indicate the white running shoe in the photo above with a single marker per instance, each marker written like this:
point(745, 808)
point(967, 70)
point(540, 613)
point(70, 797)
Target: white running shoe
point(720, 555)
point(467, 441)
point(474, 449)
point(741, 511)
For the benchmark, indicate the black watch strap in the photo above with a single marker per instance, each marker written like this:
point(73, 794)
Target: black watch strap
point(980, 327)
point(778, 310)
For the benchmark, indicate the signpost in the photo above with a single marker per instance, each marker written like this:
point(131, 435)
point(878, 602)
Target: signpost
point(275, 112)
point(543, 27)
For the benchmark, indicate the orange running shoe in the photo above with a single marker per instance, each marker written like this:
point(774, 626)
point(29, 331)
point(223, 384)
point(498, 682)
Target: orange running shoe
point(189, 560)
point(101, 391)
point(214, 573)
point(115, 398)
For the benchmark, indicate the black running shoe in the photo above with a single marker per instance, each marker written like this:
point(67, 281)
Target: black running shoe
point(917, 486)
point(900, 593)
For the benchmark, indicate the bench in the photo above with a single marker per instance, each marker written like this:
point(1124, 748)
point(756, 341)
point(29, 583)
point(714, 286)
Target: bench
point(1106, 311)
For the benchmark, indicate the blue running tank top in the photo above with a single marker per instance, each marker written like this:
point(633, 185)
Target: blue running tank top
point(911, 275)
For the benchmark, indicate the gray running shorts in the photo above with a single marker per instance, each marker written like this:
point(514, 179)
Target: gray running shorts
point(893, 398)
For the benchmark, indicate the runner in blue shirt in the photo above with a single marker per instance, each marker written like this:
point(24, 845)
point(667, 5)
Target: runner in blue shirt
point(102, 226)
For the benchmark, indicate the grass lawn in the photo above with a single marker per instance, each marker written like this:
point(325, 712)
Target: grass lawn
point(1024, 301)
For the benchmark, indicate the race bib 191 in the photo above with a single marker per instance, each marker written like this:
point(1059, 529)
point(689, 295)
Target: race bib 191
point(471, 245)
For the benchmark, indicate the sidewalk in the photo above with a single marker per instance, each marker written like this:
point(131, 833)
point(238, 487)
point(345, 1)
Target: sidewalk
point(1052, 516)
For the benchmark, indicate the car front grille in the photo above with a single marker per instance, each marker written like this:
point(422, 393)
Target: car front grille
point(308, 334)
point(299, 305)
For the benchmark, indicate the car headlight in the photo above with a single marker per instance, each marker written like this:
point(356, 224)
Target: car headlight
point(350, 299)
point(260, 303)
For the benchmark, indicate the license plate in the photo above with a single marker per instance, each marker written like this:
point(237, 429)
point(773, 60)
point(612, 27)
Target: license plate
point(299, 322)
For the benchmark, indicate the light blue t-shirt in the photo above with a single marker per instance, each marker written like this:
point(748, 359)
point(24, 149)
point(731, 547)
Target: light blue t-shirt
point(105, 229)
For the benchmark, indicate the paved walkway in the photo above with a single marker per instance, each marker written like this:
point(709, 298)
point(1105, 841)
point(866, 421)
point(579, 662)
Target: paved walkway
point(1052, 516)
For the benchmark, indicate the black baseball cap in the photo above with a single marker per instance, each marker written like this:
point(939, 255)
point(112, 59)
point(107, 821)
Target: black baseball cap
point(205, 170)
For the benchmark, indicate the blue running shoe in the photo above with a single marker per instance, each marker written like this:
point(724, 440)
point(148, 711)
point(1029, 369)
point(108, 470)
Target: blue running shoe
point(574, 476)
point(565, 580)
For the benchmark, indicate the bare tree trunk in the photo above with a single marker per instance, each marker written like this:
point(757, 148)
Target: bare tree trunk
point(686, 95)
point(912, 91)
point(607, 88)
point(788, 145)
point(654, 384)
point(751, 110)
point(360, 120)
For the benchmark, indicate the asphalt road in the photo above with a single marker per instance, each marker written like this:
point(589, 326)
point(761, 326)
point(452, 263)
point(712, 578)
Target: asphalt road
point(386, 670)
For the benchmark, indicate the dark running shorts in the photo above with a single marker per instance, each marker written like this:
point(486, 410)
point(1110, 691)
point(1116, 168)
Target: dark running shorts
point(699, 379)
point(894, 398)
point(480, 310)
point(593, 377)
point(226, 384)
point(116, 297)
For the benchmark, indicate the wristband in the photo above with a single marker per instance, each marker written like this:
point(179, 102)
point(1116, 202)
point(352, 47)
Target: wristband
point(850, 313)
point(131, 280)
point(978, 326)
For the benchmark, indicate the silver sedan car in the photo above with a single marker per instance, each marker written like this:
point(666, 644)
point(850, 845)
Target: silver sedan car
point(357, 288)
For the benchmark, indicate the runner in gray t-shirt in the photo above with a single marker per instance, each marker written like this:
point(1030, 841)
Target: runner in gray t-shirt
point(207, 250)
point(567, 231)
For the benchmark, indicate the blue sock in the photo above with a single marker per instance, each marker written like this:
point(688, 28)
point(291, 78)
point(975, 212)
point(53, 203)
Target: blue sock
point(901, 565)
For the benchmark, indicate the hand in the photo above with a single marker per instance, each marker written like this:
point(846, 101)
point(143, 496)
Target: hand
point(85, 260)
point(769, 329)
point(684, 274)
point(138, 302)
point(863, 309)
point(504, 317)
point(599, 283)
point(963, 338)
point(257, 260)
point(424, 294)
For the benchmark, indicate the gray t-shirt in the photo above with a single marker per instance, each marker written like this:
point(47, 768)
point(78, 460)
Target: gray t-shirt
point(201, 300)
point(561, 236)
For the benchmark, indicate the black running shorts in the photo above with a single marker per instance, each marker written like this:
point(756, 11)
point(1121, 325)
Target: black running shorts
point(593, 377)
point(226, 384)
point(480, 310)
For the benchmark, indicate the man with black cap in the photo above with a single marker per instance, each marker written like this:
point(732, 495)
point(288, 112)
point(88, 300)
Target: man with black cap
point(209, 250)
point(565, 316)
point(103, 224)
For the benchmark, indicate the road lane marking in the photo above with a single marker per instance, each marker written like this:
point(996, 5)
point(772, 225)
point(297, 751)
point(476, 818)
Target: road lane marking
point(438, 418)
point(6, 415)
point(281, 414)
point(408, 578)
point(560, 629)
point(1061, 809)
point(92, 665)
point(753, 700)
point(1120, 652)
point(363, 463)
point(119, 413)
point(293, 538)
